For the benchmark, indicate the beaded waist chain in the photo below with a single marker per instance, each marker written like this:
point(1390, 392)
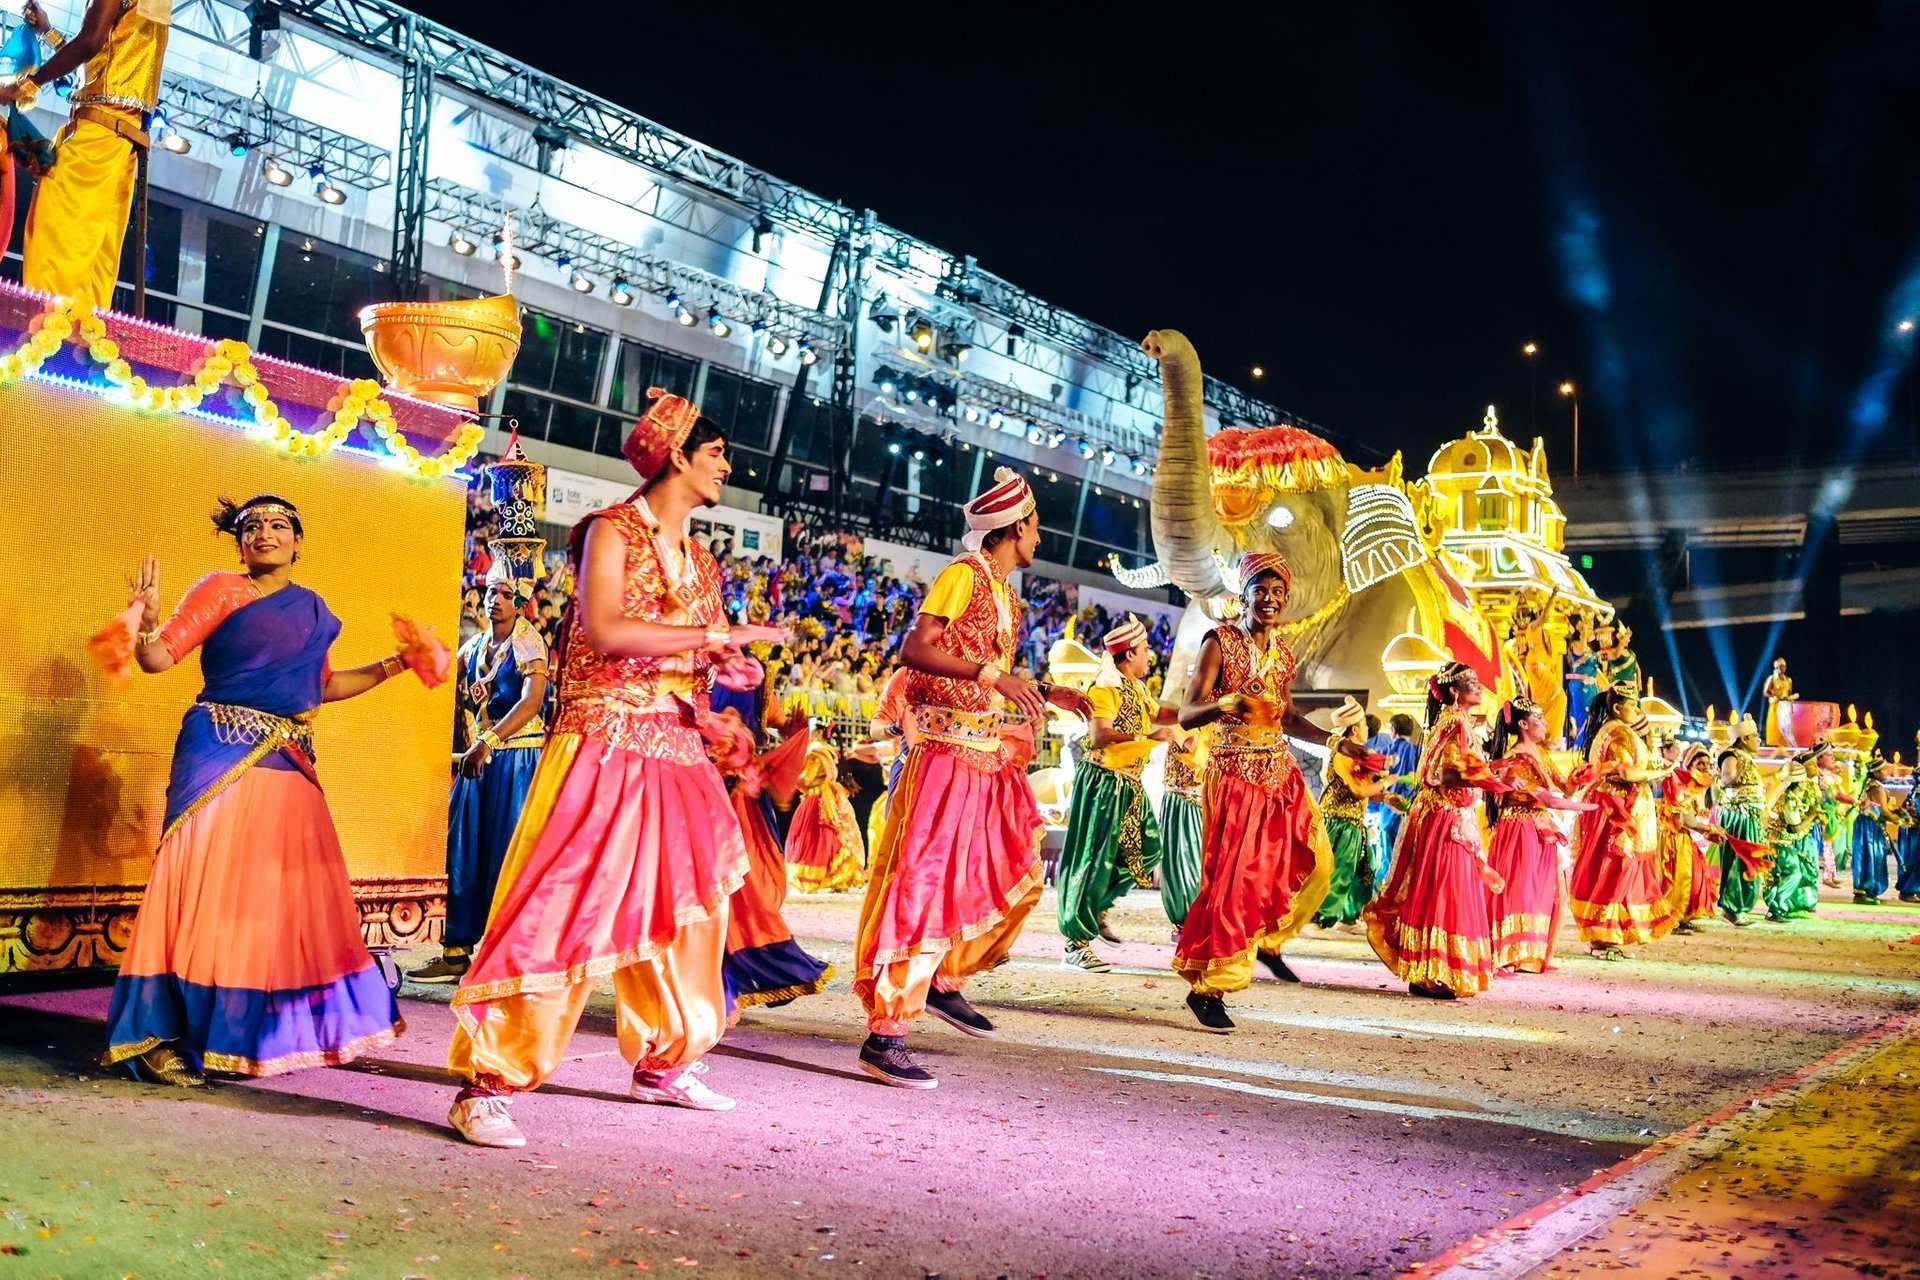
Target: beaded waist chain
point(979, 730)
point(238, 726)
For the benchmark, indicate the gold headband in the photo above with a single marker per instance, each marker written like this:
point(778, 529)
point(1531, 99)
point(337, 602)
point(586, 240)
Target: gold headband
point(264, 509)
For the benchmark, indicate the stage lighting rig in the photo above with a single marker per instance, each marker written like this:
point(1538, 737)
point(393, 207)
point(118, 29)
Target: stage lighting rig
point(884, 314)
point(921, 330)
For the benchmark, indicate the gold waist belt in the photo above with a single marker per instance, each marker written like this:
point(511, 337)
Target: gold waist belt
point(1245, 737)
point(977, 729)
point(238, 726)
point(662, 695)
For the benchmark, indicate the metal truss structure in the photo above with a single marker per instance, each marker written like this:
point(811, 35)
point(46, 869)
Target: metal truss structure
point(219, 113)
point(538, 232)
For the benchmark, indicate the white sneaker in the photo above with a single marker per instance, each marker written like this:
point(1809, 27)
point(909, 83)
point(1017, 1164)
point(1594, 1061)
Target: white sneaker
point(684, 1088)
point(1079, 955)
point(486, 1122)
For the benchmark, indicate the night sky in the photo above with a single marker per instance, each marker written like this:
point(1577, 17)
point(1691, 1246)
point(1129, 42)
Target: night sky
point(1705, 214)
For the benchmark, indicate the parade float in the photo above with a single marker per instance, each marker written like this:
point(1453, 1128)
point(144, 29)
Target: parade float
point(1391, 577)
point(121, 434)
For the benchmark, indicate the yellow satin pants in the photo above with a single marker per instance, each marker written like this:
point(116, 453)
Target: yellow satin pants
point(669, 1011)
point(78, 219)
point(896, 994)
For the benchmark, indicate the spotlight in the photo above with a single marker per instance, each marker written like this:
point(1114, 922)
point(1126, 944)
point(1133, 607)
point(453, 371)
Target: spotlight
point(563, 263)
point(621, 292)
point(169, 138)
point(457, 242)
point(1258, 372)
point(500, 254)
point(887, 384)
point(807, 354)
point(913, 393)
point(686, 318)
point(238, 145)
point(581, 282)
point(1056, 438)
point(762, 228)
point(673, 302)
point(957, 350)
point(717, 325)
point(972, 414)
point(328, 193)
point(1137, 465)
point(919, 455)
point(1084, 447)
point(934, 401)
point(759, 328)
point(922, 334)
point(279, 175)
point(777, 345)
point(884, 314)
point(893, 447)
point(1108, 456)
point(1034, 434)
point(1905, 326)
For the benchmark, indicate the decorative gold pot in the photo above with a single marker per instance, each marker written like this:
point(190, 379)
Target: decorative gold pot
point(448, 352)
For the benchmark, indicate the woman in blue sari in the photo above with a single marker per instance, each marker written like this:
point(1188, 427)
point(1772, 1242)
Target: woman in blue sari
point(246, 957)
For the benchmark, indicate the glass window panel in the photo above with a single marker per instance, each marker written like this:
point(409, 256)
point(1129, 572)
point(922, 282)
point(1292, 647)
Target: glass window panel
point(572, 425)
point(318, 353)
point(321, 287)
point(233, 261)
point(576, 375)
point(744, 406)
point(640, 366)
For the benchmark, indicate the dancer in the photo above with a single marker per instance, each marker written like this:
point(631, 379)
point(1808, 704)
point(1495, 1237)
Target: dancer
point(1793, 885)
point(825, 852)
point(1778, 690)
point(1403, 766)
point(1616, 892)
point(246, 955)
point(1687, 830)
point(957, 868)
point(1265, 859)
point(1742, 804)
point(627, 850)
point(1870, 843)
point(1583, 673)
point(1430, 924)
point(1525, 853)
point(1181, 828)
point(765, 965)
point(1618, 664)
point(1113, 840)
point(1345, 788)
point(78, 218)
point(1908, 845)
point(502, 688)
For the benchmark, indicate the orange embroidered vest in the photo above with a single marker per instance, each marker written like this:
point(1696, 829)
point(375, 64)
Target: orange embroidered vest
point(636, 703)
point(959, 715)
point(1249, 752)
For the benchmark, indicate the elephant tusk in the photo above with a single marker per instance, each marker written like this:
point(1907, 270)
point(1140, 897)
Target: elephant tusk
point(1151, 575)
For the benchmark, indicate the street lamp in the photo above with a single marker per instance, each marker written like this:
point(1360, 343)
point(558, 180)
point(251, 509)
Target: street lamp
point(1531, 350)
point(1568, 390)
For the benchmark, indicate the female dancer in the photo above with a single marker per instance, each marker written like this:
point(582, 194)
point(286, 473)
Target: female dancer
point(1346, 786)
point(1430, 923)
point(1526, 913)
point(1616, 890)
point(1265, 859)
point(825, 853)
point(246, 956)
point(1870, 844)
point(1180, 829)
point(1687, 830)
point(627, 850)
point(1793, 886)
point(1742, 802)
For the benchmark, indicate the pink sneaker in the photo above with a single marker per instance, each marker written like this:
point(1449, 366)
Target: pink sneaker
point(682, 1088)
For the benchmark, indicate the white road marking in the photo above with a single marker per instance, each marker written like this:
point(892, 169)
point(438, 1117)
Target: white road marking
point(1320, 1099)
point(1412, 1028)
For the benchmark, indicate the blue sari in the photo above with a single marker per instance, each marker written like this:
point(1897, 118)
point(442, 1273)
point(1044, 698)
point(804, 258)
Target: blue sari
point(482, 812)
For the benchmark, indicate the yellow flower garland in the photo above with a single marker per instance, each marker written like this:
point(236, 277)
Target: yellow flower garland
point(230, 360)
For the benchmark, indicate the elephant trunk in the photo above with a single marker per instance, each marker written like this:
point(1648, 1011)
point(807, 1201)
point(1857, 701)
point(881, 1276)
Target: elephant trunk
point(1186, 531)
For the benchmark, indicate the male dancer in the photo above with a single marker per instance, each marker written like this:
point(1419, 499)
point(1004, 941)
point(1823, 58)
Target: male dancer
point(1113, 840)
point(958, 864)
point(1742, 801)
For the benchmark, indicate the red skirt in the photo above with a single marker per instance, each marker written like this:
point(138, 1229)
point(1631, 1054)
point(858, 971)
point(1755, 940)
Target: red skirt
point(1526, 914)
point(1265, 864)
point(1430, 923)
point(1618, 899)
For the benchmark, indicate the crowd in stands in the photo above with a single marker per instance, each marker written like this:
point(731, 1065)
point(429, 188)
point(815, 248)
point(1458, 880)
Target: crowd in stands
point(848, 611)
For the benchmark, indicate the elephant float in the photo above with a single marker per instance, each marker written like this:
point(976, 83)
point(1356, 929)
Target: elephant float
point(1380, 596)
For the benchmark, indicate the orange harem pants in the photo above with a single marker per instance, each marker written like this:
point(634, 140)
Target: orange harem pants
point(952, 881)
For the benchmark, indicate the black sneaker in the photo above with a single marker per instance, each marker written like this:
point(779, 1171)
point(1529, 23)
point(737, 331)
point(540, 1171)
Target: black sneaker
point(1211, 1011)
point(886, 1059)
point(1431, 991)
point(952, 1008)
point(1276, 966)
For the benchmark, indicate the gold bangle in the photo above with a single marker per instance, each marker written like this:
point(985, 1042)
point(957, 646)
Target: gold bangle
point(388, 672)
point(142, 639)
point(988, 676)
point(28, 93)
point(717, 636)
point(491, 738)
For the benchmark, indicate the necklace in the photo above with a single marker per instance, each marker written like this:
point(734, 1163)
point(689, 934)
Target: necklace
point(675, 563)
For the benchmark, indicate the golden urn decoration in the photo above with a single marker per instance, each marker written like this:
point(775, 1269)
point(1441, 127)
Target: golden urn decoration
point(452, 353)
